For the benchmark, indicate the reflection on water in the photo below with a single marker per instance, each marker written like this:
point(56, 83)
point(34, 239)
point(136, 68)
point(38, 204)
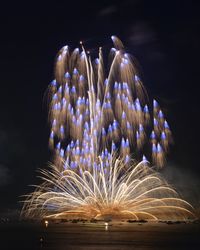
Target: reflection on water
point(84, 236)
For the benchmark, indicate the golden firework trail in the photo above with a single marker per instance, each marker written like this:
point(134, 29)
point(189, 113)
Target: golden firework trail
point(101, 118)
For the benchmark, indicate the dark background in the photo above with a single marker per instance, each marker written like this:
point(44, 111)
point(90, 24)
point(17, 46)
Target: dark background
point(163, 35)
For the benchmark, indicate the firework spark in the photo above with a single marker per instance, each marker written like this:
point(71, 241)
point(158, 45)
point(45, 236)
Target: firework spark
point(100, 119)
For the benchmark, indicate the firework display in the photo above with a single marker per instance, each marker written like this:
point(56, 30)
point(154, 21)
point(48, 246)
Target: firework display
point(102, 123)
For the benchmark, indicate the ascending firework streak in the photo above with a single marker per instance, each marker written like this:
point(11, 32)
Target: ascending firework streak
point(99, 121)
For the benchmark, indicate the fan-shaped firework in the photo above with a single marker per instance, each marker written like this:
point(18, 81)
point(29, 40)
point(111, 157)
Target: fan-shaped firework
point(94, 112)
point(100, 119)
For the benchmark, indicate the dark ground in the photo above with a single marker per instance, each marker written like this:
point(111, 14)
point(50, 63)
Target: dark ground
point(95, 236)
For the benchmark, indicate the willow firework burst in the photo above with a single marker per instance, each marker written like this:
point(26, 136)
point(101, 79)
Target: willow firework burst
point(100, 120)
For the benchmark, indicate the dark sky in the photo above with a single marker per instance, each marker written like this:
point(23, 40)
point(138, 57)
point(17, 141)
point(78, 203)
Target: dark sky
point(164, 36)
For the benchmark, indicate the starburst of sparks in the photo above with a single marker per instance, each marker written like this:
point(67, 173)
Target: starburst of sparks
point(100, 120)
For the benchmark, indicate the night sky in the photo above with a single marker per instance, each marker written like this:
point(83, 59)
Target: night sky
point(164, 36)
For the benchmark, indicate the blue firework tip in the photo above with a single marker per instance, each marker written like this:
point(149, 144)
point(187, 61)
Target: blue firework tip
point(144, 158)
point(155, 122)
point(98, 103)
point(67, 75)
point(72, 144)
point(141, 128)
point(72, 111)
point(81, 160)
point(60, 89)
point(128, 125)
point(55, 97)
point(59, 106)
point(54, 123)
point(153, 135)
point(126, 100)
point(123, 143)
point(103, 131)
point(53, 83)
point(123, 97)
point(110, 128)
point(133, 107)
point(97, 60)
point(159, 148)
point(86, 126)
point(59, 58)
point(115, 85)
point(163, 136)
point(113, 50)
point(76, 50)
point(77, 143)
point(127, 158)
point(113, 38)
point(85, 150)
point(95, 165)
point(67, 89)
point(77, 152)
point(106, 152)
point(74, 119)
point(87, 112)
point(62, 129)
point(82, 55)
point(106, 81)
point(127, 143)
point(119, 87)
point(75, 71)
point(115, 125)
point(113, 146)
point(108, 96)
point(66, 164)
point(124, 60)
point(81, 78)
point(64, 102)
point(107, 105)
point(80, 119)
point(166, 126)
point(73, 90)
point(69, 107)
point(123, 115)
point(91, 150)
point(124, 85)
point(87, 102)
point(58, 146)
point(136, 78)
point(126, 55)
point(154, 149)
point(102, 155)
point(146, 109)
point(129, 106)
point(84, 161)
point(52, 135)
point(118, 96)
point(155, 104)
point(66, 47)
point(160, 115)
point(95, 132)
point(107, 165)
point(62, 152)
point(78, 112)
point(137, 135)
point(72, 164)
point(122, 65)
point(68, 148)
point(137, 105)
point(79, 101)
